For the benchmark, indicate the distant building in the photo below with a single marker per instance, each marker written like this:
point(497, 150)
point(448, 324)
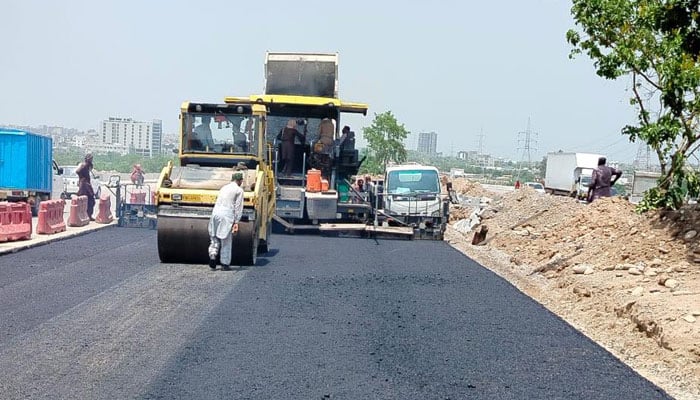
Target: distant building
point(144, 138)
point(157, 144)
point(467, 155)
point(427, 143)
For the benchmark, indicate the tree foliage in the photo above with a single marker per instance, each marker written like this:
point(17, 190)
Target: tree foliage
point(385, 142)
point(656, 44)
point(114, 161)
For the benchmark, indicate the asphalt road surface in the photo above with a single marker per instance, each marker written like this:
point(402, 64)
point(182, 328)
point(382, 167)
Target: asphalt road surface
point(99, 317)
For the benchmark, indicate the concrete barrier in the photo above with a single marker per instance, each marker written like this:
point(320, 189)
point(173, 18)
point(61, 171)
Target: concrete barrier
point(104, 209)
point(15, 221)
point(78, 211)
point(138, 197)
point(51, 217)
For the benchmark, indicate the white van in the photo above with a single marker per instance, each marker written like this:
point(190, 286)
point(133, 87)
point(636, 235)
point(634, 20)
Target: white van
point(70, 182)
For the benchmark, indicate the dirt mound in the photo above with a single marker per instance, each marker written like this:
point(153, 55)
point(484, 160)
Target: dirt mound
point(469, 188)
point(629, 281)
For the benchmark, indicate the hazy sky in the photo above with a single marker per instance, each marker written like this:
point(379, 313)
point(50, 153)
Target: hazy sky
point(458, 68)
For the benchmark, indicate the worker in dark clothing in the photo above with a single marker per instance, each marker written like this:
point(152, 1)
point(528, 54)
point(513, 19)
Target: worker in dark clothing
point(602, 180)
point(287, 137)
point(84, 171)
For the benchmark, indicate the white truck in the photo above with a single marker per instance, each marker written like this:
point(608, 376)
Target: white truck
point(457, 173)
point(413, 197)
point(569, 174)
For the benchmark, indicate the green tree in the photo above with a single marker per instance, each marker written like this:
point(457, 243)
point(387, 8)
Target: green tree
point(114, 161)
point(385, 142)
point(656, 44)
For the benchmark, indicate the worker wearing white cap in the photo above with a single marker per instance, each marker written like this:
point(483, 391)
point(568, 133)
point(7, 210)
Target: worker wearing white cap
point(224, 222)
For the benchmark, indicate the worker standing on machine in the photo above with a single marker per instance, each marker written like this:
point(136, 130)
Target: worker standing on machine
point(287, 138)
point(224, 222)
point(137, 176)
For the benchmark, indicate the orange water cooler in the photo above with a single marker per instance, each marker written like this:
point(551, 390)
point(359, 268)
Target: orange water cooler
point(313, 180)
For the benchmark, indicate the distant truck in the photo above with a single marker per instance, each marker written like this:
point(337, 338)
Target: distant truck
point(457, 173)
point(26, 167)
point(641, 182)
point(569, 174)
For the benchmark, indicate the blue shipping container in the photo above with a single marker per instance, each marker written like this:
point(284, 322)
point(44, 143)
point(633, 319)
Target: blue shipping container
point(25, 161)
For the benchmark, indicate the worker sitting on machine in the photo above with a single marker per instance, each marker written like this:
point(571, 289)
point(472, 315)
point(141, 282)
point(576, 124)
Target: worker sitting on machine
point(201, 138)
point(241, 137)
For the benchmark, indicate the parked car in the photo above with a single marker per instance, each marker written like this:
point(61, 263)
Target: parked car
point(538, 187)
point(70, 182)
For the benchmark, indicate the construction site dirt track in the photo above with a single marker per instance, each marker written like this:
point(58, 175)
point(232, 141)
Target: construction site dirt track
point(629, 281)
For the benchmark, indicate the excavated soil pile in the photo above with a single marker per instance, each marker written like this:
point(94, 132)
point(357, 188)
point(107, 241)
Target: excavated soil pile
point(464, 187)
point(629, 281)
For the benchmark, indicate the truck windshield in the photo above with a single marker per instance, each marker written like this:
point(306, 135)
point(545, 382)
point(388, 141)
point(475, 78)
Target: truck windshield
point(220, 133)
point(413, 181)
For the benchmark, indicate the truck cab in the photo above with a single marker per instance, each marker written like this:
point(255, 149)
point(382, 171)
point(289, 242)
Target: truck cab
point(413, 197)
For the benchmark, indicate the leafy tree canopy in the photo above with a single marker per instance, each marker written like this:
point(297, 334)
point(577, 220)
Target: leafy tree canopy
point(385, 142)
point(656, 43)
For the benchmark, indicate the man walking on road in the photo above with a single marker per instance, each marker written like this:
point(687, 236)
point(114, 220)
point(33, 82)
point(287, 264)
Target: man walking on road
point(84, 171)
point(224, 222)
point(602, 180)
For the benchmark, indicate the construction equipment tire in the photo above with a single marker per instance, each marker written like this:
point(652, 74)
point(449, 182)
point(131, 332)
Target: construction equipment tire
point(245, 244)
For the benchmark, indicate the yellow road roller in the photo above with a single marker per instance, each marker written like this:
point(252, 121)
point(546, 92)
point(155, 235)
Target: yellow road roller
point(215, 141)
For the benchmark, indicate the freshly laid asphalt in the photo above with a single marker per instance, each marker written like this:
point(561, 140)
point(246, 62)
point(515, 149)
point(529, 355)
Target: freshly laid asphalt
point(98, 316)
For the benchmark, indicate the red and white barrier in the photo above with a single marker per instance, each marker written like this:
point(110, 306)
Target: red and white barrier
point(104, 209)
point(78, 211)
point(51, 217)
point(15, 221)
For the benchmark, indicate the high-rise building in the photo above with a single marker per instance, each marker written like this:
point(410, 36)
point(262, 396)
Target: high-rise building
point(427, 143)
point(157, 145)
point(144, 138)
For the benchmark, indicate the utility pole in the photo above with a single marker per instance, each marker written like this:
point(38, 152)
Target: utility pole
point(482, 159)
point(527, 142)
point(481, 142)
point(643, 160)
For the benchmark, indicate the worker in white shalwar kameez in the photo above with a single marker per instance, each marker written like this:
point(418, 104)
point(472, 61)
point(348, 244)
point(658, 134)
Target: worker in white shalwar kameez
point(224, 221)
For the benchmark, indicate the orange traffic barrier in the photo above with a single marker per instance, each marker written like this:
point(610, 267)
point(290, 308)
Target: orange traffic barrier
point(78, 211)
point(15, 221)
point(51, 217)
point(138, 198)
point(104, 209)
